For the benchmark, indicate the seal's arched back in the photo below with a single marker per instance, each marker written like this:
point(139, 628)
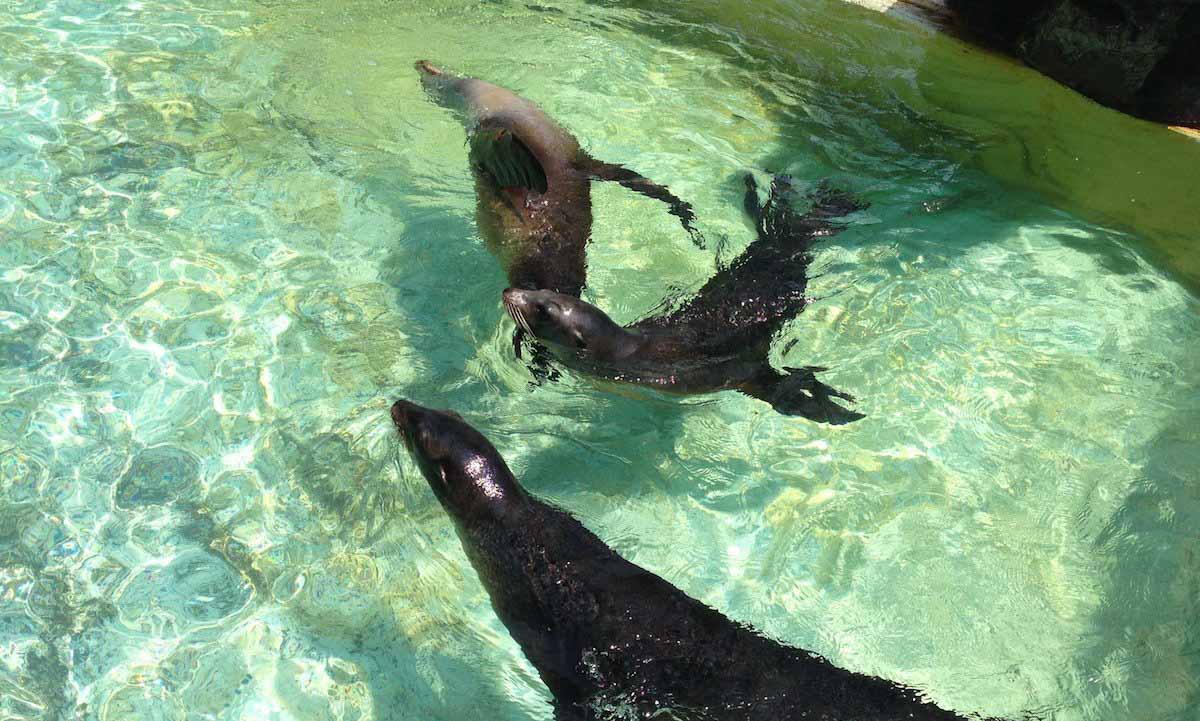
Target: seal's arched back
point(533, 182)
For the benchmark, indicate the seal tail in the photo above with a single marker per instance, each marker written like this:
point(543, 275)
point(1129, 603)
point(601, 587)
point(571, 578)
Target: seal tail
point(798, 393)
point(634, 181)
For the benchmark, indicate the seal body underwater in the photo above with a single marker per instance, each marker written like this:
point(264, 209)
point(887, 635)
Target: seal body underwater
point(719, 338)
point(533, 182)
point(610, 639)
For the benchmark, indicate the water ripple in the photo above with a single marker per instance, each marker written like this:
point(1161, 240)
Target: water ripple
point(233, 232)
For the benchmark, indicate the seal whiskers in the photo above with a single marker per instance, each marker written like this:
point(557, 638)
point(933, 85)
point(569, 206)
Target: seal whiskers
point(518, 317)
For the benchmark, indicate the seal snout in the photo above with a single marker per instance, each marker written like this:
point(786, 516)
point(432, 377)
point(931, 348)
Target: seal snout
point(516, 301)
point(402, 414)
point(513, 295)
point(427, 68)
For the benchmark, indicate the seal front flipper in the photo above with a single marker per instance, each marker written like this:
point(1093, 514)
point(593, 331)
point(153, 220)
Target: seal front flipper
point(498, 151)
point(829, 202)
point(540, 365)
point(778, 220)
point(639, 184)
point(798, 393)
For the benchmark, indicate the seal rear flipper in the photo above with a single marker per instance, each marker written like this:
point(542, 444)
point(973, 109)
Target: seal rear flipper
point(639, 184)
point(778, 220)
point(498, 152)
point(799, 393)
point(830, 202)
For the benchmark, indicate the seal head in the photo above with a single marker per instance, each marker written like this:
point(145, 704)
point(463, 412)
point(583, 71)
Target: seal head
point(570, 323)
point(508, 536)
point(463, 469)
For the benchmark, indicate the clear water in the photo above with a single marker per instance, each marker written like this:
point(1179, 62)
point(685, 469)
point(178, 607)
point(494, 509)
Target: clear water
point(232, 232)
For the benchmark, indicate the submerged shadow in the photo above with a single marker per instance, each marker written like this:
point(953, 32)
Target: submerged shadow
point(405, 681)
point(1149, 614)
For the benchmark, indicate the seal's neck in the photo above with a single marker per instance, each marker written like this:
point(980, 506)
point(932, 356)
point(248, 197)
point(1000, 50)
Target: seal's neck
point(615, 343)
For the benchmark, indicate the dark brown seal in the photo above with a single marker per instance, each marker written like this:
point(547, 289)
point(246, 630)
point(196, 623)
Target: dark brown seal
point(720, 337)
point(610, 639)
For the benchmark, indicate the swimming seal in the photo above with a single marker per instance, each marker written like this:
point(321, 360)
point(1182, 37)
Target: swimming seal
point(719, 338)
point(610, 639)
point(533, 182)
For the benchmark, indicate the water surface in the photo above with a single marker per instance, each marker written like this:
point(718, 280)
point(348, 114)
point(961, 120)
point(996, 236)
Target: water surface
point(231, 233)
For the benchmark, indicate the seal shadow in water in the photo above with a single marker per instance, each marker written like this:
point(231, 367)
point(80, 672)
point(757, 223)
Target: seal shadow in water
point(446, 290)
point(593, 433)
point(1153, 554)
point(397, 672)
point(358, 637)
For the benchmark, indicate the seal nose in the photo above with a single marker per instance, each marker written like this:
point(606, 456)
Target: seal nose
point(400, 413)
point(516, 302)
point(427, 68)
point(513, 296)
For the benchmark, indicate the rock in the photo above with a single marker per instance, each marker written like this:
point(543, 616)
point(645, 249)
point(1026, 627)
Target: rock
point(1103, 50)
point(1172, 91)
point(1000, 22)
point(1139, 56)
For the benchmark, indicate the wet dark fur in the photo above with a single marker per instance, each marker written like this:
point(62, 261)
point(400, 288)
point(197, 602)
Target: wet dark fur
point(610, 638)
point(719, 339)
point(764, 287)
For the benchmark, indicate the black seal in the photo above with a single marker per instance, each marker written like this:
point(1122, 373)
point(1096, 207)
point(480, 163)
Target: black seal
point(610, 639)
point(719, 338)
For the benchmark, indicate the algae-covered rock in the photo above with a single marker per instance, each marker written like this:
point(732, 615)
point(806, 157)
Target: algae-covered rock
point(1140, 56)
point(1172, 90)
point(1102, 49)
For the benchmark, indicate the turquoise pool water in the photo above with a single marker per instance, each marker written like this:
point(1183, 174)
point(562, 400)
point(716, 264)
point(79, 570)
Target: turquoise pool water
point(232, 232)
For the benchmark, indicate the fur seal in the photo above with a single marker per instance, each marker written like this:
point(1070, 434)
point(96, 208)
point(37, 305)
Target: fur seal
point(533, 182)
point(720, 337)
point(610, 639)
